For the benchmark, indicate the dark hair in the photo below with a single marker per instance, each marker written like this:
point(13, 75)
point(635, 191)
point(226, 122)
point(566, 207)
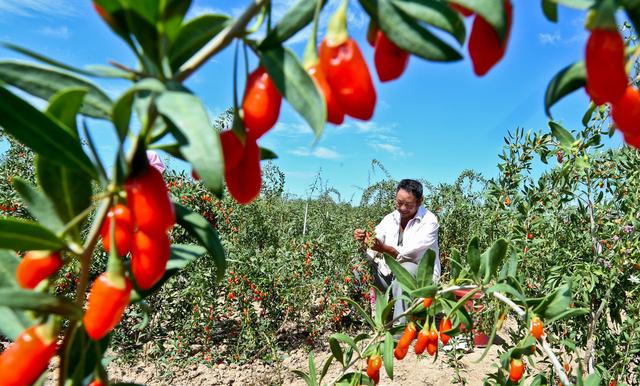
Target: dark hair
point(411, 186)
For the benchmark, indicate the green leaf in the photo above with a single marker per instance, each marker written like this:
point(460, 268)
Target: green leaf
point(266, 154)
point(593, 379)
point(8, 264)
point(172, 13)
point(568, 80)
point(304, 376)
point(490, 10)
point(198, 227)
point(41, 302)
point(577, 4)
point(312, 369)
point(325, 368)
point(403, 276)
point(46, 60)
point(435, 13)
point(425, 292)
point(24, 235)
point(555, 303)
point(193, 35)
point(83, 354)
point(362, 312)
point(387, 357)
point(550, 9)
point(44, 82)
point(346, 339)
point(571, 312)
point(38, 204)
point(142, 19)
point(296, 86)
point(296, 18)
point(492, 259)
point(12, 322)
point(381, 304)
point(387, 310)
point(65, 106)
point(407, 33)
point(198, 140)
point(43, 134)
point(561, 134)
point(121, 114)
point(506, 288)
point(462, 302)
point(424, 275)
point(336, 350)
point(473, 256)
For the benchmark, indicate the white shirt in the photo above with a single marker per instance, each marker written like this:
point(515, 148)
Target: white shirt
point(420, 234)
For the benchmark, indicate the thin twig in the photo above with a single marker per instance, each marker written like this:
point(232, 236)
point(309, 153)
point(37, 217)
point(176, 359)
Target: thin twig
point(127, 69)
point(510, 303)
point(556, 363)
point(220, 41)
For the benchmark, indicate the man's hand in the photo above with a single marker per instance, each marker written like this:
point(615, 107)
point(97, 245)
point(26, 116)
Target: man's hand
point(359, 234)
point(375, 243)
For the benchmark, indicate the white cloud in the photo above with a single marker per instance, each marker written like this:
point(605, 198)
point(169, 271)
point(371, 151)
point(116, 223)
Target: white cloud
point(394, 150)
point(547, 38)
point(61, 32)
point(318, 152)
point(291, 129)
point(38, 7)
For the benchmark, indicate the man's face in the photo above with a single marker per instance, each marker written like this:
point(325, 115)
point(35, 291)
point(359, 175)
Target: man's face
point(406, 204)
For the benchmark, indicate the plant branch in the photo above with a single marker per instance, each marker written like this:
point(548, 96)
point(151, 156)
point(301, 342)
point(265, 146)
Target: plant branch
point(353, 362)
point(220, 41)
point(521, 313)
point(557, 367)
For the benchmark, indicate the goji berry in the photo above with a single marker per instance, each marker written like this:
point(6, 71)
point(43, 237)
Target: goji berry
point(123, 229)
point(390, 60)
point(36, 266)
point(516, 370)
point(149, 202)
point(400, 352)
point(149, 256)
point(26, 358)
point(626, 112)
point(96, 382)
point(537, 328)
point(426, 302)
point(335, 114)
point(445, 325)
point(261, 103)
point(408, 335)
point(245, 179)
point(485, 47)
point(432, 343)
point(349, 78)
point(604, 61)
point(421, 342)
point(107, 301)
point(374, 363)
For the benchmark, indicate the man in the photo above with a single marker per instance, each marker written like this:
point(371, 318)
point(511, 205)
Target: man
point(405, 234)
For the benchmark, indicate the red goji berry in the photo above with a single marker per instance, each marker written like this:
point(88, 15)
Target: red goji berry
point(107, 301)
point(96, 382)
point(27, 358)
point(537, 328)
point(149, 256)
point(626, 112)
point(421, 342)
point(149, 202)
point(445, 325)
point(604, 61)
point(426, 302)
point(485, 47)
point(374, 363)
point(335, 114)
point(390, 60)
point(36, 266)
point(123, 229)
point(347, 74)
point(408, 335)
point(245, 179)
point(400, 352)
point(516, 370)
point(261, 103)
point(432, 343)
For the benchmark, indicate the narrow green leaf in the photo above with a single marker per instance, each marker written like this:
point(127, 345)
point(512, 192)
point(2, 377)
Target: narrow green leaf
point(46, 60)
point(266, 154)
point(407, 33)
point(296, 86)
point(198, 227)
point(387, 356)
point(424, 275)
point(24, 235)
point(44, 82)
point(336, 350)
point(8, 264)
point(435, 13)
point(43, 134)
point(568, 80)
point(388, 309)
point(346, 339)
point(463, 301)
point(121, 114)
point(325, 368)
point(492, 259)
point(555, 303)
point(571, 312)
point(12, 322)
point(296, 18)
point(65, 106)
point(561, 134)
point(381, 304)
point(593, 379)
point(304, 376)
point(506, 288)
point(193, 35)
point(198, 140)
point(312, 369)
point(550, 9)
point(403, 276)
point(473, 256)
point(428, 291)
point(362, 312)
point(38, 204)
point(41, 302)
point(577, 4)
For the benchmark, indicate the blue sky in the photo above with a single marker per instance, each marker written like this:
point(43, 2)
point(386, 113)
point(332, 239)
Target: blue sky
point(432, 123)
